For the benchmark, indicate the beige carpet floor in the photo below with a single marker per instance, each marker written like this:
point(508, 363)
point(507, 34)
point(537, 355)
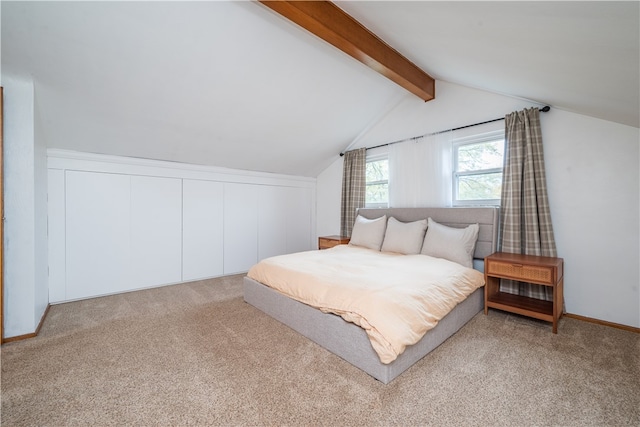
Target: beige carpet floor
point(197, 354)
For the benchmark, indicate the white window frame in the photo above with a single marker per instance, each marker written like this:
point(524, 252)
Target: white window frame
point(469, 140)
point(375, 158)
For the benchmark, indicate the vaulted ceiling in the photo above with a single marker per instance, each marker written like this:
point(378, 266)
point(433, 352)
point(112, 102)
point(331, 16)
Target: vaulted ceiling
point(233, 84)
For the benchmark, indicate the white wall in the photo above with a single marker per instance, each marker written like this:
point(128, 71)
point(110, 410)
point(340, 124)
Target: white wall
point(25, 204)
point(594, 190)
point(593, 177)
point(41, 286)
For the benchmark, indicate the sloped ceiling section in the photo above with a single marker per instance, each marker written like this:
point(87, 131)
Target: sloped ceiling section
point(227, 84)
point(233, 84)
point(580, 56)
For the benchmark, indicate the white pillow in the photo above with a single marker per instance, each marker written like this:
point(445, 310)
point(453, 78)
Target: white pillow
point(368, 232)
point(404, 237)
point(454, 244)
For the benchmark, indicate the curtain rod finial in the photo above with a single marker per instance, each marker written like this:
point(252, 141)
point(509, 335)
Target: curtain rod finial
point(545, 109)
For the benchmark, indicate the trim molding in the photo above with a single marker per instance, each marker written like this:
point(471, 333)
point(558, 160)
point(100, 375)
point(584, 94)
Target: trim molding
point(603, 322)
point(94, 162)
point(31, 335)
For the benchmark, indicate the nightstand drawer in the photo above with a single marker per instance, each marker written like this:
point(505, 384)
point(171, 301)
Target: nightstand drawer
point(327, 242)
point(524, 273)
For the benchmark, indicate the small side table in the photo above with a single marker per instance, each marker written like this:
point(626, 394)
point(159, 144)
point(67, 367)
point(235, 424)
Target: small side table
point(546, 271)
point(326, 242)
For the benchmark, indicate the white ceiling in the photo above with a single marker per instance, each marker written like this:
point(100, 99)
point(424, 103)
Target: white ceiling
point(581, 56)
point(233, 84)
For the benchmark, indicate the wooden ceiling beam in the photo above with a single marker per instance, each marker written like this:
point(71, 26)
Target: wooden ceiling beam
point(327, 21)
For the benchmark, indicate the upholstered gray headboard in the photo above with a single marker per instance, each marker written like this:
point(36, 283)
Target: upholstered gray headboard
point(486, 217)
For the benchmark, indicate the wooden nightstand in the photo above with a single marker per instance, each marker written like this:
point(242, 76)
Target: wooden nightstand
point(326, 242)
point(546, 271)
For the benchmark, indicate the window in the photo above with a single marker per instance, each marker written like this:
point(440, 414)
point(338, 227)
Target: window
point(477, 169)
point(377, 173)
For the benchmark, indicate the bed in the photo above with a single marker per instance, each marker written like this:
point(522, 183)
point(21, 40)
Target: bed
point(350, 341)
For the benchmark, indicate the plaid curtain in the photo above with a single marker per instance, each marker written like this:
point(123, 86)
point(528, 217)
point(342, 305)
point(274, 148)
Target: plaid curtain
point(525, 222)
point(353, 188)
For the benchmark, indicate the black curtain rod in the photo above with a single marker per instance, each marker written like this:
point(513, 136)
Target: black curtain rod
point(543, 109)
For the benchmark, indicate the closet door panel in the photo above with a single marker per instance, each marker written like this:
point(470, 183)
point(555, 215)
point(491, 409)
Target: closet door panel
point(298, 217)
point(240, 227)
point(272, 221)
point(97, 233)
point(156, 231)
point(203, 229)
point(56, 235)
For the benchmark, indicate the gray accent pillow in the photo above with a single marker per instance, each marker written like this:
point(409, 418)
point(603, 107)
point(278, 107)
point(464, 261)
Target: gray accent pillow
point(368, 232)
point(404, 237)
point(454, 244)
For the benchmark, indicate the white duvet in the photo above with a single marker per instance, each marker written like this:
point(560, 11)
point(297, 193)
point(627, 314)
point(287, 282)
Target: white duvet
point(395, 298)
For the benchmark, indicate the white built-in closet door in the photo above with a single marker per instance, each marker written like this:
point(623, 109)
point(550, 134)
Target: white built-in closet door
point(272, 221)
point(156, 231)
point(284, 222)
point(240, 227)
point(202, 238)
point(56, 235)
point(97, 234)
point(123, 233)
point(298, 217)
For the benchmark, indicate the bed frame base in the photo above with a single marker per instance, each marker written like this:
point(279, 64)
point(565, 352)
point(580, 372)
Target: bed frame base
point(349, 341)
